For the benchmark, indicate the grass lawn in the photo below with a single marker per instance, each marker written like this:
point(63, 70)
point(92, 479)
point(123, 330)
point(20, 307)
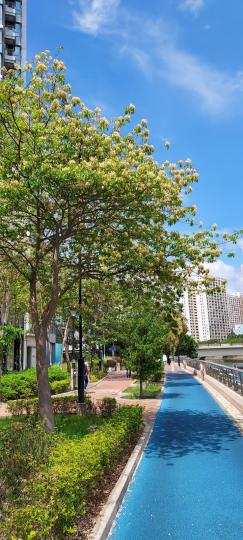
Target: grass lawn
point(150, 391)
point(71, 426)
point(75, 427)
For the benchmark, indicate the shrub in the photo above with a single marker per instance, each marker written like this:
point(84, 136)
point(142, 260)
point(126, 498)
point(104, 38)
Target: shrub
point(55, 373)
point(107, 406)
point(24, 446)
point(110, 362)
point(23, 384)
point(61, 405)
point(53, 497)
point(69, 405)
point(23, 406)
point(57, 387)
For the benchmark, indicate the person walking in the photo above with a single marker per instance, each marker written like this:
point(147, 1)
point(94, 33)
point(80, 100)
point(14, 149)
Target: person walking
point(86, 375)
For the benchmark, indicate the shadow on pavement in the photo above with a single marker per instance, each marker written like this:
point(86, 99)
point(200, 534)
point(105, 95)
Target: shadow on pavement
point(170, 385)
point(171, 395)
point(178, 433)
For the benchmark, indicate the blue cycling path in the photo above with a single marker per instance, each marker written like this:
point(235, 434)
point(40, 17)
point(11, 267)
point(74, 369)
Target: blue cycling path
point(189, 483)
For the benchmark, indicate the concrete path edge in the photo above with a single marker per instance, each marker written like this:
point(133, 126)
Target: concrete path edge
point(107, 515)
point(226, 398)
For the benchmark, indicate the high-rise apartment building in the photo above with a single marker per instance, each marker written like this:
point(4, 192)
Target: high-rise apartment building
point(12, 32)
point(215, 315)
point(241, 308)
point(234, 309)
point(196, 313)
point(218, 314)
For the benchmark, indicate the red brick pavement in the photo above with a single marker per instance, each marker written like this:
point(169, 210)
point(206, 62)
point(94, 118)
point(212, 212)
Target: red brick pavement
point(113, 386)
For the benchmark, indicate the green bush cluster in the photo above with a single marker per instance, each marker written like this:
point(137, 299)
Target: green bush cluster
point(57, 387)
point(107, 406)
point(52, 498)
point(24, 446)
point(110, 362)
point(23, 384)
point(64, 405)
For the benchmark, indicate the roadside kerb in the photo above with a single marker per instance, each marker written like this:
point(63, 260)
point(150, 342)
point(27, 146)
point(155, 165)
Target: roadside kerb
point(108, 514)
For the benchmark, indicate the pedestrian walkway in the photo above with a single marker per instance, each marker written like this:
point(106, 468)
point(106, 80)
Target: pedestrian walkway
point(189, 483)
point(114, 385)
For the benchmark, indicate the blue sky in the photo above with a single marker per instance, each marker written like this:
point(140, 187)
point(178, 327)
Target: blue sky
point(180, 62)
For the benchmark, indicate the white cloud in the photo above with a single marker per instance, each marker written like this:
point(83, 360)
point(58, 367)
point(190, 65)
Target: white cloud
point(94, 16)
point(233, 274)
point(215, 89)
point(153, 45)
point(139, 57)
point(194, 6)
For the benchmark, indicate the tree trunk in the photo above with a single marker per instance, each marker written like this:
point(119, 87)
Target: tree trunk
point(92, 358)
point(140, 386)
point(44, 390)
point(5, 308)
point(4, 321)
point(65, 346)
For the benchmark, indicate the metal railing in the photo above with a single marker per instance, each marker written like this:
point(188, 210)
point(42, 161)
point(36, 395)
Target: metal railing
point(230, 376)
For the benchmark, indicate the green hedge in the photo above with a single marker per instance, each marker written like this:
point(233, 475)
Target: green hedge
point(64, 405)
point(61, 405)
point(53, 498)
point(22, 384)
point(57, 387)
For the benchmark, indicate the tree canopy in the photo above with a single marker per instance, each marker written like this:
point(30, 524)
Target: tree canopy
point(82, 196)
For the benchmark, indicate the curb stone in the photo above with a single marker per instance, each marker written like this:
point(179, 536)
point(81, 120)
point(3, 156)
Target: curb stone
point(107, 515)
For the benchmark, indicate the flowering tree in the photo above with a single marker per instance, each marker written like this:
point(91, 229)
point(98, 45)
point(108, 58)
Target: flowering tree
point(80, 198)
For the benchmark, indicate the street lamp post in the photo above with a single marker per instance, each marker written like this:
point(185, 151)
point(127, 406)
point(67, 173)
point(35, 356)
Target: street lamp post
point(81, 370)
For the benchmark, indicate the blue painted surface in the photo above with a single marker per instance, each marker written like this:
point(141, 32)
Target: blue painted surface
point(189, 484)
point(58, 353)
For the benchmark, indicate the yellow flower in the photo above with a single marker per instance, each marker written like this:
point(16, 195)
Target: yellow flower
point(54, 105)
point(103, 122)
point(59, 65)
point(144, 122)
point(76, 100)
point(131, 108)
point(61, 93)
point(41, 67)
point(68, 109)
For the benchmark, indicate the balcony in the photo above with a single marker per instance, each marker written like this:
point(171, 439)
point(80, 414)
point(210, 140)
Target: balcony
point(10, 34)
point(9, 56)
point(10, 10)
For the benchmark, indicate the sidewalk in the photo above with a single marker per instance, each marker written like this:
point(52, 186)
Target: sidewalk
point(113, 386)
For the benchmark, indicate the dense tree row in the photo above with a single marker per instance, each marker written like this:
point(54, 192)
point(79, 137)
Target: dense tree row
point(83, 197)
